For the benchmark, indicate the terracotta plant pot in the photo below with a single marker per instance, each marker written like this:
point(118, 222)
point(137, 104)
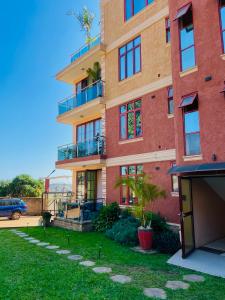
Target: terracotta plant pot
point(145, 237)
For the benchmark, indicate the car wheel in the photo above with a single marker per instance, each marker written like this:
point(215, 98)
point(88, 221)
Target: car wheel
point(16, 215)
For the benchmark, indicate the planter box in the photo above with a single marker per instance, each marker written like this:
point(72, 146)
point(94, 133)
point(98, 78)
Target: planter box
point(73, 225)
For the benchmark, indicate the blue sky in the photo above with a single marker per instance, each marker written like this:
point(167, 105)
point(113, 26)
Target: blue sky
point(36, 40)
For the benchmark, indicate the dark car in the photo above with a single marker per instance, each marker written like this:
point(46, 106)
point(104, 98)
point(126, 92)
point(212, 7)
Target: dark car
point(12, 208)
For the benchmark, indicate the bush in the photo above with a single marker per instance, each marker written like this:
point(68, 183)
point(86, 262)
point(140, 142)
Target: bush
point(167, 242)
point(125, 231)
point(107, 216)
point(158, 223)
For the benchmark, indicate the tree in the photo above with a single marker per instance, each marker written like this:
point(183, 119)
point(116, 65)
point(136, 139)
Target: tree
point(94, 74)
point(4, 188)
point(25, 186)
point(145, 191)
point(86, 19)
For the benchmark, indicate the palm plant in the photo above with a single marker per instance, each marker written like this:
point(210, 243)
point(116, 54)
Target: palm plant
point(94, 74)
point(146, 193)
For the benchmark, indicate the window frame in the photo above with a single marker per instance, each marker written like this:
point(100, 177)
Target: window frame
point(126, 117)
point(187, 110)
point(125, 54)
point(169, 99)
point(127, 188)
point(147, 3)
point(222, 30)
point(168, 30)
point(189, 47)
point(85, 131)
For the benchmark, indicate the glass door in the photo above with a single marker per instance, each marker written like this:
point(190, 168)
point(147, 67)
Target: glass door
point(87, 185)
point(187, 220)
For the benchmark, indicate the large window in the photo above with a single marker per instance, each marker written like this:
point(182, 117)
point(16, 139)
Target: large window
point(191, 125)
point(130, 120)
point(187, 44)
point(88, 131)
point(170, 101)
point(130, 59)
point(132, 7)
point(222, 16)
point(127, 196)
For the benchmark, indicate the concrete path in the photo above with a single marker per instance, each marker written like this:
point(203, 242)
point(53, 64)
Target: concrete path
point(22, 222)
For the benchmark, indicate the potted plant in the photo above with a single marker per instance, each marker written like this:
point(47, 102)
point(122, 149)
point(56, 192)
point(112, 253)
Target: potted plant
point(146, 193)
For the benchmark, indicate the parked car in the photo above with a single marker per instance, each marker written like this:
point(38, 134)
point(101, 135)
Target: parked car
point(12, 208)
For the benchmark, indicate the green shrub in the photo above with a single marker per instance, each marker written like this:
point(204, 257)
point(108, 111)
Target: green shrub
point(107, 216)
point(158, 222)
point(125, 213)
point(167, 242)
point(125, 231)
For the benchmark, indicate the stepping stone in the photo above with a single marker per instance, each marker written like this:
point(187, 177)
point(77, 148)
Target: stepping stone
point(63, 252)
point(87, 263)
point(155, 293)
point(193, 278)
point(177, 285)
point(34, 241)
point(42, 244)
point(121, 279)
point(52, 247)
point(100, 270)
point(75, 257)
point(28, 238)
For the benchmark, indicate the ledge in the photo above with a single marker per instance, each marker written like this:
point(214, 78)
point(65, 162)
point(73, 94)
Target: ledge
point(189, 71)
point(222, 56)
point(170, 116)
point(192, 157)
point(175, 194)
point(131, 141)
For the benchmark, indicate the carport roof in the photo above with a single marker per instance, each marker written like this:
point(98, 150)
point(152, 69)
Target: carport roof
point(197, 168)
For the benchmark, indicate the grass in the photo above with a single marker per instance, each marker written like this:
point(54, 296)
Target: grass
point(29, 272)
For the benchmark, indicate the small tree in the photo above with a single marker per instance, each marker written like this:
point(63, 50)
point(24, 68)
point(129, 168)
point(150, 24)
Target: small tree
point(146, 193)
point(86, 19)
point(25, 186)
point(94, 74)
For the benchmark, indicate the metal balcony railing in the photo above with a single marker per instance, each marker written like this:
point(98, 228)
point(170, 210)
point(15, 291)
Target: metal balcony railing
point(87, 47)
point(84, 149)
point(86, 95)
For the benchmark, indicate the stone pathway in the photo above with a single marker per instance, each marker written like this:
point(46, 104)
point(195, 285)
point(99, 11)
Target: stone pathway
point(121, 279)
point(101, 270)
point(156, 293)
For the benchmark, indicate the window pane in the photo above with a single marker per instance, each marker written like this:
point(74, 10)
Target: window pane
point(122, 50)
point(187, 36)
point(123, 109)
point(130, 125)
point(122, 68)
point(188, 58)
point(137, 41)
point(129, 12)
point(123, 171)
point(192, 122)
point(123, 127)
point(130, 106)
point(193, 144)
point(170, 92)
point(130, 64)
point(89, 131)
point(137, 59)
point(138, 124)
point(175, 183)
point(130, 45)
point(223, 17)
point(131, 170)
point(98, 127)
point(81, 133)
point(171, 106)
point(137, 104)
point(139, 5)
point(139, 169)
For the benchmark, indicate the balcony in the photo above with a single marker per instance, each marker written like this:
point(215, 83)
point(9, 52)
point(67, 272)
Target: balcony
point(88, 103)
point(81, 60)
point(92, 152)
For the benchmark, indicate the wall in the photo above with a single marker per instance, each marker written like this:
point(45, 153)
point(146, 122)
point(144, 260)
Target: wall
point(209, 212)
point(209, 62)
point(168, 207)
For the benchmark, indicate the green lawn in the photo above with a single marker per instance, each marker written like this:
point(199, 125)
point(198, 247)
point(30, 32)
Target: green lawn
point(30, 272)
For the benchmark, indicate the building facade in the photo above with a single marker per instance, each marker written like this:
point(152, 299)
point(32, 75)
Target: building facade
point(154, 105)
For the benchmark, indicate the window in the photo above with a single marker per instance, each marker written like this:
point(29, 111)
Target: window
point(175, 182)
point(191, 127)
point(88, 131)
point(132, 7)
point(130, 120)
point(186, 29)
point(130, 59)
point(168, 37)
point(127, 196)
point(170, 101)
point(222, 17)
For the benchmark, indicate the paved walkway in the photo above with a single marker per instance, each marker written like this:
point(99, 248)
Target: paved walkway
point(152, 292)
point(22, 222)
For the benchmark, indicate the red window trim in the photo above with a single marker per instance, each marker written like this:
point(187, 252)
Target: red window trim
point(133, 54)
point(168, 26)
point(84, 124)
point(221, 26)
point(125, 114)
point(133, 14)
point(128, 175)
